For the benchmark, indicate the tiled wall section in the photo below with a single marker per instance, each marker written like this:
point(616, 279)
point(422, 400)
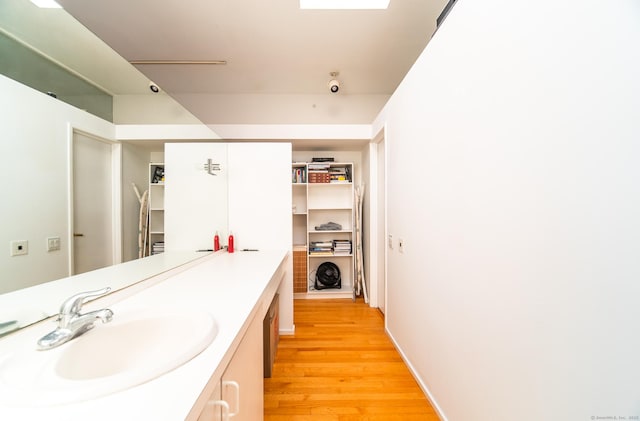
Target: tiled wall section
point(300, 270)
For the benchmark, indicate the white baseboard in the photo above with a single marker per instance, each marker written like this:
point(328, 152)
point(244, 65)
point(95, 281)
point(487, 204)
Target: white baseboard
point(288, 332)
point(415, 375)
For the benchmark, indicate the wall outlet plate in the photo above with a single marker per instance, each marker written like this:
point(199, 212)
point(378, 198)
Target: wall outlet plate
point(19, 248)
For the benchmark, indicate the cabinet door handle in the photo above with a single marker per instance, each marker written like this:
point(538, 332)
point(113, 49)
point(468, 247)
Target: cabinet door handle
point(236, 388)
point(78, 234)
point(225, 408)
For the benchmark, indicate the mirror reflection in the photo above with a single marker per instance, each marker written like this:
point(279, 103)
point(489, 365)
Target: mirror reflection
point(36, 71)
point(58, 156)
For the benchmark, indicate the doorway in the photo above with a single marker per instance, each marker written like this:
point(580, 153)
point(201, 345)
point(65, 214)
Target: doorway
point(94, 200)
point(381, 221)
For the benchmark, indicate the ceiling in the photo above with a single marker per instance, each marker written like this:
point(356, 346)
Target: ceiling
point(271, 47)
point(273, 51)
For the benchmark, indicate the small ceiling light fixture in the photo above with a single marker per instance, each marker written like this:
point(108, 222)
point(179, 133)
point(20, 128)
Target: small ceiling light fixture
point(153, 87)
point(334, 84)
point(46, 4)
point(344, 4)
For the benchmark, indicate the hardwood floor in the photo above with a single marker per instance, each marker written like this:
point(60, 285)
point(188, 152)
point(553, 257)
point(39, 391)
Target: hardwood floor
point(341, 366)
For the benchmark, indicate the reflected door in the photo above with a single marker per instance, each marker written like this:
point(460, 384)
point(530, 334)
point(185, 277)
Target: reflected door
point(92, 204)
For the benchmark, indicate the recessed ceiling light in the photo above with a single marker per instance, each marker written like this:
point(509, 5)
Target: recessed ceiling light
point(46, 4)
point(344, 4)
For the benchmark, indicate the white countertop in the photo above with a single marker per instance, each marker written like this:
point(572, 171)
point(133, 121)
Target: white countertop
point(45, 299)
point(231, 287)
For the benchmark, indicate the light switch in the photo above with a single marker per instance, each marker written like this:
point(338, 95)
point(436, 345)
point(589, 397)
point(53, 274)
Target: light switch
point(53, 243)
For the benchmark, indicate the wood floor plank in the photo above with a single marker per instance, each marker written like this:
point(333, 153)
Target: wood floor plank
point(341, 366)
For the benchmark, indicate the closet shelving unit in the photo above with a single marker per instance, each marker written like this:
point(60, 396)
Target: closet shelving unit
point(321, 198)
point(156, 208)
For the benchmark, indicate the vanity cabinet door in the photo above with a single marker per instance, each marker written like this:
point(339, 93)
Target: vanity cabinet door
point(242, 382)
point(240, 392)
point(213, 411)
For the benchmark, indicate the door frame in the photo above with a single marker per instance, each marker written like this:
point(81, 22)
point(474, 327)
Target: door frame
point(378, 238)
point(116, 194)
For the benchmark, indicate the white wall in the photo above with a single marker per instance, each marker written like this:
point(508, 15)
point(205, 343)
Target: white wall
point(513, 180)
point(150, 109)
point(284, 109)
point(34, 147)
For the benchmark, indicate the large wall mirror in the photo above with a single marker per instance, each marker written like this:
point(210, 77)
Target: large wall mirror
point(38, 145)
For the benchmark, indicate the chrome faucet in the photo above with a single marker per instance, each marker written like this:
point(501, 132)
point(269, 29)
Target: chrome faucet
point(72, 323)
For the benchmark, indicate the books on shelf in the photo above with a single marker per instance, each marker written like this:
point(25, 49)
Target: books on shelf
point(299, 175)
point(157, 247)
point(320, 248)
point(158, 175)
point(319, 166)
point(330, 248)
point(318, 173)
point(324, 172)
point(340, 174)
point(341, 247)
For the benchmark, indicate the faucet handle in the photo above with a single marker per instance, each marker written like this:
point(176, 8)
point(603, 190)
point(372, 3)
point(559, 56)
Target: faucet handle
point(73, 304)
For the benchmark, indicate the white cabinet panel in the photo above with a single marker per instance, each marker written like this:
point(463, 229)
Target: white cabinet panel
point(260, 195)
point(195, 201)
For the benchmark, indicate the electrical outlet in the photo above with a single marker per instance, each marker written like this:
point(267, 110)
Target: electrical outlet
point(53, 243)
point(401, 245)
point(390, 242)
point(19, 248)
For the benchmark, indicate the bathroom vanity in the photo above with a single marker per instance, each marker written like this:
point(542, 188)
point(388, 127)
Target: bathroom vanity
point(233, 290)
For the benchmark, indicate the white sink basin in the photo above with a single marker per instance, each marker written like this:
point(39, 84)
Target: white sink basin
point(112, 357)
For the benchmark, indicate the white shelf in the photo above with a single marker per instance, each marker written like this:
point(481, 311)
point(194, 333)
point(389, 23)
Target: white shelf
point(317, 204)
point(330, 255)
point(325, 293)
point(345, 183)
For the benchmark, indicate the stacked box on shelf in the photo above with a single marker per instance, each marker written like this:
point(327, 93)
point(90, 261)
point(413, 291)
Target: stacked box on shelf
point(315, 177)
point(319, 173)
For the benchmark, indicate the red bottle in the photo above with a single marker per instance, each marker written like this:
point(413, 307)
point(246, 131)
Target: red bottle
point(230, 247)
point(216, 242)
